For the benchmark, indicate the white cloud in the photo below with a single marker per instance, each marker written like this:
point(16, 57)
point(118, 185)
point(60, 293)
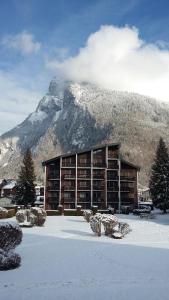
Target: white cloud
point(116, 58)
point(23, 42)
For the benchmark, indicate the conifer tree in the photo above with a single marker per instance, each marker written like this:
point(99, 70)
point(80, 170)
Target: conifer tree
point(25, 189)
point(159, 179)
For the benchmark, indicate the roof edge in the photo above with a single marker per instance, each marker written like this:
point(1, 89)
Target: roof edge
point(45, 162)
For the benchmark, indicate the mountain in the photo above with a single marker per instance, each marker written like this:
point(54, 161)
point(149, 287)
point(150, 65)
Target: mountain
point(73, 116)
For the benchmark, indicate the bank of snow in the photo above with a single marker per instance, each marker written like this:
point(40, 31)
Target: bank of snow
point(64, 260)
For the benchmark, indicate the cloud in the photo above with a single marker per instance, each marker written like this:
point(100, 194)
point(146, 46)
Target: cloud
point(23, 42)
point(16, 100)
point(117, 59)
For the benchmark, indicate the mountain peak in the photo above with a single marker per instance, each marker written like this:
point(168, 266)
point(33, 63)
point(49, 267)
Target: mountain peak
point(53, 87)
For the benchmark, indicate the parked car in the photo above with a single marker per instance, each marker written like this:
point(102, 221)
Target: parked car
point(142, 210)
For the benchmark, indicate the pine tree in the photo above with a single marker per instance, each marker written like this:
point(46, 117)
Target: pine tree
point(25, 189)
point(159, 179)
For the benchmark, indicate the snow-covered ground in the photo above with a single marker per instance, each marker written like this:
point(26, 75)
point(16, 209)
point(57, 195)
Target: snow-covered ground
point(65, 261)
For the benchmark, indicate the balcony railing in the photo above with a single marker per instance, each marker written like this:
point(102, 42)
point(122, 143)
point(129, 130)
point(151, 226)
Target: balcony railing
point(68, 200)
point(80, 175)
point(68, 176)
point(68, 164)
point(98, 176)
point(127, 178)
point(99, 164)
point(83, 188)
point(112, 177)
point(68, 187)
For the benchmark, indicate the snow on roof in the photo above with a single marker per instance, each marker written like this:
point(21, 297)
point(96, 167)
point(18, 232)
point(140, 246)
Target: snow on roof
point(10, 185)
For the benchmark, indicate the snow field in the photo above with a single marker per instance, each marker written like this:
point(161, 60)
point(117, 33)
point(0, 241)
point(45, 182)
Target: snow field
point(64, 260)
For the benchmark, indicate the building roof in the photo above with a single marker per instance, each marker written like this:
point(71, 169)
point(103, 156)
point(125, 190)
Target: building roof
point(78, 152)
point(10, 185)
point(87, 150)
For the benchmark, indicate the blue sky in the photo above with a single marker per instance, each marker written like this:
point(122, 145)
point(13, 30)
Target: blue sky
point(35, 32)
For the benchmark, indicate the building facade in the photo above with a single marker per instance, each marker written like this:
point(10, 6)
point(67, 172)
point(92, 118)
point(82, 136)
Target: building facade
point(98, 176)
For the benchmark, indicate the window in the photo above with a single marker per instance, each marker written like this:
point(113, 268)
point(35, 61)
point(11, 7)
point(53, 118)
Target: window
point(82, 195)
point(83, 183)
point(83, 172)
point(67, 195)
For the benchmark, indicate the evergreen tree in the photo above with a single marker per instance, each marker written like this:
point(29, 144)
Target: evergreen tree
point(25, 189)
point(159, 179)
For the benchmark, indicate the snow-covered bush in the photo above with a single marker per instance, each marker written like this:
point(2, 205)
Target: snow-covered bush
point(112, 227)
point(9, 260)
point(30, 217)
point(109, 222)
point(39, 214)
point(87, 214)
point(3, 213)
point(95, 224)
point(124, 228)
point(10, 235)
point(21, 215)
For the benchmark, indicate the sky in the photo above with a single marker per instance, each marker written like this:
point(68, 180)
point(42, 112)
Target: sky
point(116, 44)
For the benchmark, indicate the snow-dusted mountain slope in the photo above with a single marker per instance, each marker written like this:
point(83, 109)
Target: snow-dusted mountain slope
point(74, 116)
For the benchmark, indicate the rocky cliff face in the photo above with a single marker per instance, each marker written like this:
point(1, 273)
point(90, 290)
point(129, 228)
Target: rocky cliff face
point(73, 116)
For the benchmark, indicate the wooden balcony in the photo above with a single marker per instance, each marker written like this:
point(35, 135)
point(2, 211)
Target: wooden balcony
point(69, 164)
point(99, 164)
point(98, 176)
point(68, 200)
point(127, 178)
point(68, 176)
point(68, 187)
point(83, 176)
point(112, 177)
point(83, 188)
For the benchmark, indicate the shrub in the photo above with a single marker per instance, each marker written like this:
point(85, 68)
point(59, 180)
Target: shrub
point(11, 213)
point(53, 213)
point(10, 235)
point(3, 213)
